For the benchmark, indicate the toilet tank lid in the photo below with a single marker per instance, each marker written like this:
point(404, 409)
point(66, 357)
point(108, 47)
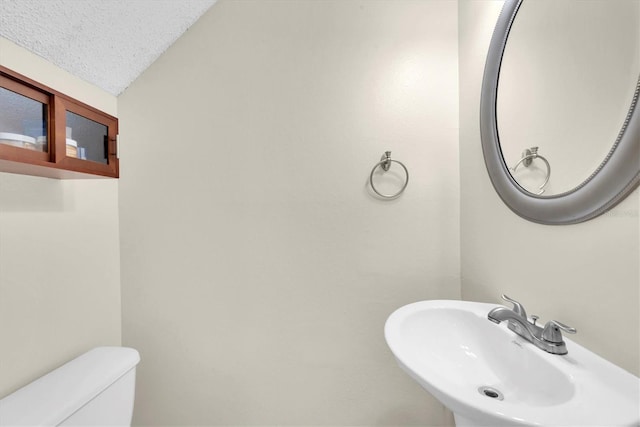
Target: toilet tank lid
point(54, 397)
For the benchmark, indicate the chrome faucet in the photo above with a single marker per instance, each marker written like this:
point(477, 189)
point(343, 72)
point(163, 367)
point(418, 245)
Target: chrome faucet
point(548, 338)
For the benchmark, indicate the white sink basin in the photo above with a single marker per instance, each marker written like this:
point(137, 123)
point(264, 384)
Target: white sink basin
point(452, 350)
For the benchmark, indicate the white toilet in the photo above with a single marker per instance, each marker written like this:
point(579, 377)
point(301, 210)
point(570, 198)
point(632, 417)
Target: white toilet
point(95, 389)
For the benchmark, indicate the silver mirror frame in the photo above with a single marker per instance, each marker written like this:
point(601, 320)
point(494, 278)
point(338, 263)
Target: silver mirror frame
point(616, 177)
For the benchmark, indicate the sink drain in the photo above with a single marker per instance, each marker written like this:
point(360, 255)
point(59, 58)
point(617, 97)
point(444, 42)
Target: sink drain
point(490, 392)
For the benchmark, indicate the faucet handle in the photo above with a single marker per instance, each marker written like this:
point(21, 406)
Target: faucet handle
point(551, 331)
point(517, 307)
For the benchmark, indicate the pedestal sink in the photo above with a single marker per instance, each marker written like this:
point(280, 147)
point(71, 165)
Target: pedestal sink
point(488, 376)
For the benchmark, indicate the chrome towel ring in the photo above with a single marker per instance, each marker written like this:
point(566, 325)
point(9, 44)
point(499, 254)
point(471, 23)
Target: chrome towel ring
point(385, 164)
point(528, 156)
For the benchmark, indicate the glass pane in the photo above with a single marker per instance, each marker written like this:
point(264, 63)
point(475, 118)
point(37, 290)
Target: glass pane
point(86, 139)
point(23, 121)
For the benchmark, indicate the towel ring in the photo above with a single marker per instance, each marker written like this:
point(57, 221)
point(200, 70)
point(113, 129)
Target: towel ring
point(528, 156)
point(385, 164)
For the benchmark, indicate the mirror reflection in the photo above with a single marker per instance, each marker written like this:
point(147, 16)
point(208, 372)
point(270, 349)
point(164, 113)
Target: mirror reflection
point(567, 80)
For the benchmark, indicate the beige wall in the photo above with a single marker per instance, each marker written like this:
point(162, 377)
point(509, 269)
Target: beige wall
point(59, 253)
point(585, 275)
point(257, 269)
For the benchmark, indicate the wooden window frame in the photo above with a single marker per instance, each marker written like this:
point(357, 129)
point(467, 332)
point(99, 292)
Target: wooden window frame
point(55, 163)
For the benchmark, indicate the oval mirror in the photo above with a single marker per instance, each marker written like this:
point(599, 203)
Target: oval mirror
point(560, 133)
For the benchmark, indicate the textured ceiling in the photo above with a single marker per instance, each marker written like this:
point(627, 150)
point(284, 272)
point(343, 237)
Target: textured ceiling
point(106, 42)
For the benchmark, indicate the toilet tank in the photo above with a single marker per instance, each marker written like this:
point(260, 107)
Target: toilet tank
point(96, 388)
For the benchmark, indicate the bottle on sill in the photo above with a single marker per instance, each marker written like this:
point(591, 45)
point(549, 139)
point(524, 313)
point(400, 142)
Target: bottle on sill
point(72, 148)
point(41, 143)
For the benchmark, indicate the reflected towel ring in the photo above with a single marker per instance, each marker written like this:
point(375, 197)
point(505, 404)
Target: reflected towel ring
point(528, 156)
point(385, 164)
